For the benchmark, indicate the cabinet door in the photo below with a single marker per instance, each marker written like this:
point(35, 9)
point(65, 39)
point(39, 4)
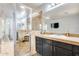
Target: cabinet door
point(39, 45)
point(62, 52)
point(76, 50)
point(47, 47)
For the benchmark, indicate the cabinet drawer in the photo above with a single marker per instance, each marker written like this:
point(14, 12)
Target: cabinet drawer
point(62, 52)
point(63, 45)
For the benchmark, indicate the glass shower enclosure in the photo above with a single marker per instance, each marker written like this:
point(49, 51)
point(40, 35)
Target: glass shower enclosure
point(15, 27)
point(7, 29)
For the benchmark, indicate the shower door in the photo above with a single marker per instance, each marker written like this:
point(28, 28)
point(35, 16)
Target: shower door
point(7, 29)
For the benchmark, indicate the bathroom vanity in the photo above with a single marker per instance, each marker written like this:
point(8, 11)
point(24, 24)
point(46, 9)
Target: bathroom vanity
point(57, 45)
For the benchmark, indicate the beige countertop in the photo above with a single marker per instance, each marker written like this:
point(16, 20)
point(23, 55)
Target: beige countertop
point(61, 38)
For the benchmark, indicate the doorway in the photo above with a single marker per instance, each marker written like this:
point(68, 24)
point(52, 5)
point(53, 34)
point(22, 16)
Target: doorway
point(23, 28)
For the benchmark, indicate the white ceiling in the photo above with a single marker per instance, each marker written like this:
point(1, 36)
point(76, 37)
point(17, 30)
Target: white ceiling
point(35, 6)
point(21, 11)
point(7, 9)
point(61, 11)
point(64, 10)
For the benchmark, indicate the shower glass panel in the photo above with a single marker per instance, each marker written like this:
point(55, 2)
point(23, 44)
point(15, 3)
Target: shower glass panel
point(23, 27)
point(7, 29)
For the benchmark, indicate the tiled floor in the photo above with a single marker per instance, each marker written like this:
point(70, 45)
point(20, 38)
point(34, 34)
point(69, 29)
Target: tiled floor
point(22, 48)
point(7, 48)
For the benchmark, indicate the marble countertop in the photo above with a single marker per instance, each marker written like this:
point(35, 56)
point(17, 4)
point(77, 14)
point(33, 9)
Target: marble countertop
point(61, 38)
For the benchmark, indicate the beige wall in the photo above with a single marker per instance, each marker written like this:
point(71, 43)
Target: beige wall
point(36, 21)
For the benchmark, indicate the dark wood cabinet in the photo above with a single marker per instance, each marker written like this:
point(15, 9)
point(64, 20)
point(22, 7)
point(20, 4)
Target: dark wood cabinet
point(62, 52)
point(43, 46)
point(63, 45)
point(39, 45)
point(75, 50)
point(63, 49)
point(46, 47)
